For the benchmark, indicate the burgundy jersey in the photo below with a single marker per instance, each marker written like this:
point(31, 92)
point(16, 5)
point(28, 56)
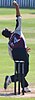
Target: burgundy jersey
point(16, 41)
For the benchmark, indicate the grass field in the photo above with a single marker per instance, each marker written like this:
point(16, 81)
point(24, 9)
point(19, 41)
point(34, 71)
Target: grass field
point(16, 99)
point(28, 28)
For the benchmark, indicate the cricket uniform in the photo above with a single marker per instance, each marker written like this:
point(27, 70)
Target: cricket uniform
point(18, 33)
point(17, 40)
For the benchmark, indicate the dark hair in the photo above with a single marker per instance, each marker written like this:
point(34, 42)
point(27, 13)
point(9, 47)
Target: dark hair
point(6, 33)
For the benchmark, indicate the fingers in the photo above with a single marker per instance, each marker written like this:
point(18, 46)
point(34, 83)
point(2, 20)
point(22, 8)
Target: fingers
point(15, 3)
point(28, 49)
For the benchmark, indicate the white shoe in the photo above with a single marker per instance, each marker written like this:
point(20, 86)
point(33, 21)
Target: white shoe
point(26, 89)
point(7, 81)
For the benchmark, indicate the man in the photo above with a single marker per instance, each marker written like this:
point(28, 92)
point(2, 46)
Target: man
point(16, 39)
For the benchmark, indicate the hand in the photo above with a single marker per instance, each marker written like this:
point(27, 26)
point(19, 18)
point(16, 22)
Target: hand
point(28, 49)
point(15, 3)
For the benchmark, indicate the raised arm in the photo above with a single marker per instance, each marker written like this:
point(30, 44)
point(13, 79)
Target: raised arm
point(17, 8)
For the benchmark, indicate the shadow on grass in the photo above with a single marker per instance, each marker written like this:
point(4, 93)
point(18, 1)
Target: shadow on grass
point(5, 94)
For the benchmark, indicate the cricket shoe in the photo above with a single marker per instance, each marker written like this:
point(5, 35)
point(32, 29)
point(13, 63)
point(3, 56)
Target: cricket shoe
point(26, 89)
point(7, 81)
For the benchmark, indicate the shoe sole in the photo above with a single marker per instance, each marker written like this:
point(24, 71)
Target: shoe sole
point(5, 85)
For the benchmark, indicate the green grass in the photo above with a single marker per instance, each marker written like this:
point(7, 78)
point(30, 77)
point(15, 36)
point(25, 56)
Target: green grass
point(9, 11)
point(7, 24)
point(27, 11)
point(6, 63)
point(17, 98)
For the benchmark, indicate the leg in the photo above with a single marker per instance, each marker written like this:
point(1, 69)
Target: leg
point(10, 79)
point(26, 66)
point(25, 83)
point(26, 69)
